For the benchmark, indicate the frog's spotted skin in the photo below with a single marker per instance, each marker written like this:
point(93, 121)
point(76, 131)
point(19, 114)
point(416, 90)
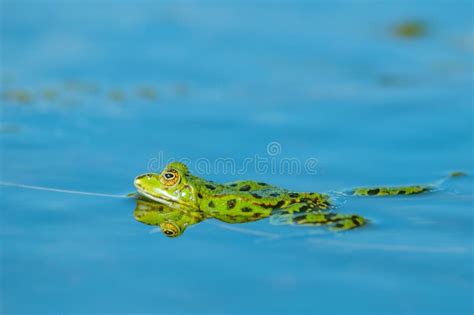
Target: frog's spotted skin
point(175, 199)
point(249, 201)
point(403, 190)
point(391, 191)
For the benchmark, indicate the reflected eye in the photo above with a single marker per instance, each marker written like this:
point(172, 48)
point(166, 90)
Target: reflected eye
point(169, 232)
point(169, 229)
point(169, 177)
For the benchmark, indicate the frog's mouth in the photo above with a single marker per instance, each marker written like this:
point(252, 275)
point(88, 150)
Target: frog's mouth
point(162, 197)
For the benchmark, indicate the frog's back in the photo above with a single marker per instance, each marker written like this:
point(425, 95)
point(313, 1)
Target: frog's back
point(251, 186)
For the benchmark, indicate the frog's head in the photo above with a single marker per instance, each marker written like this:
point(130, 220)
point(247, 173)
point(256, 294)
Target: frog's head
point(173, 187)
point(172, 222)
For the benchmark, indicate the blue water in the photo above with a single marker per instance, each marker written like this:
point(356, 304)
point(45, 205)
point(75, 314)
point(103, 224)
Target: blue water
point(327, 82)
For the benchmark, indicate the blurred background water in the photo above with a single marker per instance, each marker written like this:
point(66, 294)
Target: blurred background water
point(377, 92)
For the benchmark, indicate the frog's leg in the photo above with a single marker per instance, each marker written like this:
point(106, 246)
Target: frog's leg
point(301, 215)
point(391, 191)
point(403, 190)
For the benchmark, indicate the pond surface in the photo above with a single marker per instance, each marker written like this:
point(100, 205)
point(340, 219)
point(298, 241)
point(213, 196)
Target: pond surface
point(94, 94)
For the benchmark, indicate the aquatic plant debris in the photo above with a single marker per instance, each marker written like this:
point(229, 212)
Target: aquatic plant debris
point(410, 29)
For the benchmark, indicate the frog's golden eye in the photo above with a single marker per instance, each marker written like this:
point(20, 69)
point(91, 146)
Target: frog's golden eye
point(169, 229)
point(169, 177)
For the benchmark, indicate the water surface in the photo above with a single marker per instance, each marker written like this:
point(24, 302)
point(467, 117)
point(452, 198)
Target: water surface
point(93, 92)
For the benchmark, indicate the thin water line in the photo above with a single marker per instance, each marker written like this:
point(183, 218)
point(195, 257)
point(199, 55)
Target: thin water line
point(65, 191)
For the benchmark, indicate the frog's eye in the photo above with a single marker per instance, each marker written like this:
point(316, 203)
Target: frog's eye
point(169, 229)
point(169, 177)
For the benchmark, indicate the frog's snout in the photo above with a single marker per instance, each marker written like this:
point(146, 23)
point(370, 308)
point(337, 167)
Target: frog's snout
point(140, 179)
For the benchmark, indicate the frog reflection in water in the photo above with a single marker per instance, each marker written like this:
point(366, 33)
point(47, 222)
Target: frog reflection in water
point(175, 199)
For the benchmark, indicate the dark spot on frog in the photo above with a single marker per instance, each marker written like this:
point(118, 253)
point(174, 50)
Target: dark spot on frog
point(339, 225)
point(402, 192)
point(211, 204)
point(266, 206)
point(303, 208)
point(231, 203)
point(330, 216)
point(246, 209)
point(279, 204)
point(299, 219)
point(256, 195)
point(272, 206)
point(233, 185)
point(275, 194)
point(355, 221)
point(293, 195)
point(210, 187)
point(373, 191)
point(199, 196)
point(325, 205)
point(262, 184)
point(245, 188)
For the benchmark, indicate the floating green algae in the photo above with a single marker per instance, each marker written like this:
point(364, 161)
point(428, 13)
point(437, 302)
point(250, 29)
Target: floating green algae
point(410, 29)
point(146, 92)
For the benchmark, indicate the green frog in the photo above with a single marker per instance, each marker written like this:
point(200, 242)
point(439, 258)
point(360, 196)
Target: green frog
point(175, 199)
